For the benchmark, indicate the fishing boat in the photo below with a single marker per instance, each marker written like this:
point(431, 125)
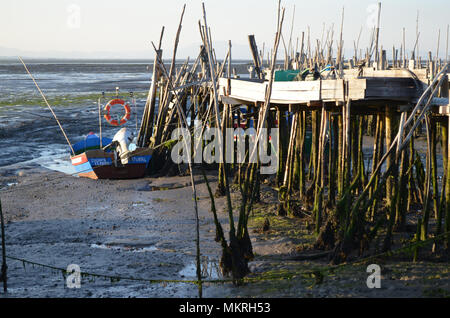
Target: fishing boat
point(104, 158)
point(93, 161)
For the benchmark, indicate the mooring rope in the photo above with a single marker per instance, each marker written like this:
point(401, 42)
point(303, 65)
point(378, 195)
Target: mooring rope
point(314, 272)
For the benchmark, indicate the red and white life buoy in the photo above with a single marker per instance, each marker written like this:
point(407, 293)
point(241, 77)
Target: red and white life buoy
point(125, 117)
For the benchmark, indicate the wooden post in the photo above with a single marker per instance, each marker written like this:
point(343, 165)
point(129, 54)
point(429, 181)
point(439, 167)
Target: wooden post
point(444, 138)
point(446, 45)
point(377, 35)
point(382, 62)
point(411, 182)
point(389, 120)
point(361, 166)
point(319, 174)
point(282, 145)
point(346, 144)
point(416, 48)
point(340, 133)
point(404, 50)
point(401, 199)
point(437, 48)
point(378, 146)
point(434, 167)
point(147, 118)
point(4, 267)
point(256, 60)
point(422, 232)
point(301, 154)
point(447, 193)
point(394, 57)
point(314, 144)
point(332, 155)
point(354, 129)
point(339, 61)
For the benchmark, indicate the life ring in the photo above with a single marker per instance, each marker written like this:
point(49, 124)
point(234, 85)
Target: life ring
point(125, 117)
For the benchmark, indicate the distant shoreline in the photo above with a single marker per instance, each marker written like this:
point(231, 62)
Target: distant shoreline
point(96, 61)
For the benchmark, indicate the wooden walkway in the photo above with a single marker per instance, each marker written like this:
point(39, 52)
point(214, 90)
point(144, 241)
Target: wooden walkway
point(372, 91)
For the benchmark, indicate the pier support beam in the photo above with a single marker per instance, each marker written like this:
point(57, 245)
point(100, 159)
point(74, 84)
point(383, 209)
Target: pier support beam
point(390, 182)
point(447, 194)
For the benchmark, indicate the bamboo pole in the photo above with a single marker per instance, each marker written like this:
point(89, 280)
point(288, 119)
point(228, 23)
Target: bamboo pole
point(378, 146)
point(48, 105)
point(442, 206)
point(320, 173)
point(447, 192)
point(437, 47)
point(426, 208)
point(147, 116)
point(446, 45)
point(314, 144)
point(194, 190)
point(4, 277)
point(416, 47)
point(340, 48)
point(389, 120)
point(342, 250)
point(332, 158)
point(340, 133)
point(404, 50)
point(150, 104)
point(215, 102)
point(255, 56)
point(377, 35)
point(401, 199)
point(100, 121)
point(434, 178)
point(301, 147)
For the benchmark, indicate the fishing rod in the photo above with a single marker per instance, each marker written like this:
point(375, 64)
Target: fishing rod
point(48, 105)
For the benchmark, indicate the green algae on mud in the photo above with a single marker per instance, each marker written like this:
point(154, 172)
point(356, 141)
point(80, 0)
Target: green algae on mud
point(278, 275)
point(61, 100)
point(290, 227)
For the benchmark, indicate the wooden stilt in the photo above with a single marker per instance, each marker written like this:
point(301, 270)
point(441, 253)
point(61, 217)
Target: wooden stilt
point(4, 277)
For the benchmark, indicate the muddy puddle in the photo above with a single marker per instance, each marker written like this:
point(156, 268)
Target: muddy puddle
point(210, 269)
point(124, 248)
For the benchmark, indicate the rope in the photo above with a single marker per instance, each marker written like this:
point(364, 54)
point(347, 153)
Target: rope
point(43, 116)
point(318, 271)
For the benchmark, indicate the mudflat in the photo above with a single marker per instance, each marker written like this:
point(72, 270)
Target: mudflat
point(145, 229)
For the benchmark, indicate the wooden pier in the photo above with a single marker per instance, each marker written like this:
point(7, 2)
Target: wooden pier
point(353, 203)
point(395, 88)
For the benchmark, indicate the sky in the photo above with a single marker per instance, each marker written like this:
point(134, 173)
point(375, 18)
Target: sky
point(125, 29)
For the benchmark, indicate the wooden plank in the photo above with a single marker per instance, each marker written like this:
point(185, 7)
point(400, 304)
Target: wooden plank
point(229, 100)
point(296, 86)
point(443, 110)
point(390, 92)
point(296, 95)
point(390, 81)
point(370, 72)
point(327, 90)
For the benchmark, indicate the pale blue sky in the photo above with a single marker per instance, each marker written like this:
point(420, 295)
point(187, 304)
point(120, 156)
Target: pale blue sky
point(127, 27)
